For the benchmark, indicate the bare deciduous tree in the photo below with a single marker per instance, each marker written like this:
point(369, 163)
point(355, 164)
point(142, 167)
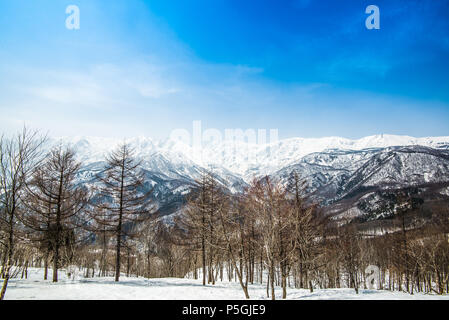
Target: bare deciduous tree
point(54, 203)
point(122, 201)
point(18, 156)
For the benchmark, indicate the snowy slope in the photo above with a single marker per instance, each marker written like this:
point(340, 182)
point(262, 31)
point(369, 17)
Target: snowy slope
point(34, 288)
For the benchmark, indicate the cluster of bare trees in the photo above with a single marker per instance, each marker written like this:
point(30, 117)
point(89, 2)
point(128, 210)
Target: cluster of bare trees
point(46, 216)
point(271, 233)
point(18, 158)
point(274, 234)
point(261, 234)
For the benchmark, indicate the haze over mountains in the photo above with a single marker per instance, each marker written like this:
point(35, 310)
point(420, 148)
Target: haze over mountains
point(350, 178)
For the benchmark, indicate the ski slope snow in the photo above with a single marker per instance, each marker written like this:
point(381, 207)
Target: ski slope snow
point(132, 288)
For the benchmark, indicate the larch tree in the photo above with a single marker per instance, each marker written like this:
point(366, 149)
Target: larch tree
point(306, 226)
point(235, 232)
point(199, 220)
point(122, 201)
point(54, 203)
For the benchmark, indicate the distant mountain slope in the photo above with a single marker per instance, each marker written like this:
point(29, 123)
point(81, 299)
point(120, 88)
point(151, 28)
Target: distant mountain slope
point(240, 158)
point(366, 183)
point(349, 177)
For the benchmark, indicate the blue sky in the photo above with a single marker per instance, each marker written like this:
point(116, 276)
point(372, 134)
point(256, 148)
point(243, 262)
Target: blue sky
point(308, 68)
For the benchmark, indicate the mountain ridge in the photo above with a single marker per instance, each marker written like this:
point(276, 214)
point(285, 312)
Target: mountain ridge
point(242, 159)
point(348, 178)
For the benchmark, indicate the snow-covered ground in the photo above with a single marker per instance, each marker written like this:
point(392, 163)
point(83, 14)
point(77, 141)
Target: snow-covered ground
point(172, 289)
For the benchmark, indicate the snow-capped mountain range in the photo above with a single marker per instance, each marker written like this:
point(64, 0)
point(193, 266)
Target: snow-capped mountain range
point(239, 158)
point(336, 169)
